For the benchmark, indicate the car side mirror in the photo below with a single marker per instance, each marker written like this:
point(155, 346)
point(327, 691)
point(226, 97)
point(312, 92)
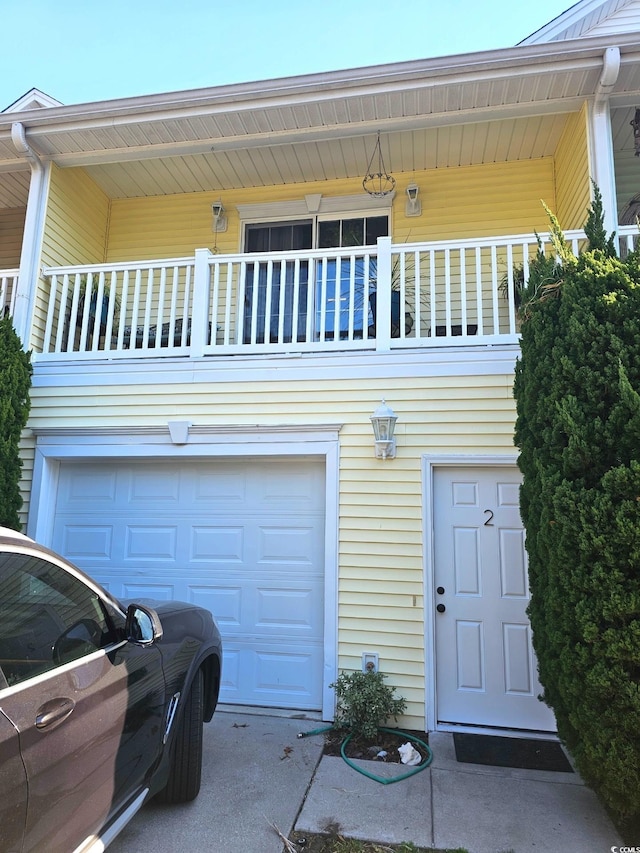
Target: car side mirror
point(143, 625)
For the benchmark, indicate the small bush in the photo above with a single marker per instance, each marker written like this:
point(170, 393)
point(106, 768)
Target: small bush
point(15, 382)
point(364, 703)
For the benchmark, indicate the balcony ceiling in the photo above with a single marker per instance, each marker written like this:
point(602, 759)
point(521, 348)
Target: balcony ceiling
point(453, 111)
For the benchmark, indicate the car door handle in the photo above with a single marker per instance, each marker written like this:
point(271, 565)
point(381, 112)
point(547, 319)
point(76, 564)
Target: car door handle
point(54, 712)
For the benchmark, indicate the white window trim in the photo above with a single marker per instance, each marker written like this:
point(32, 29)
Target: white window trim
point(313, 205)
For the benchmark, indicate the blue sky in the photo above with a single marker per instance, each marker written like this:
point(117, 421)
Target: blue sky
point(87, 50)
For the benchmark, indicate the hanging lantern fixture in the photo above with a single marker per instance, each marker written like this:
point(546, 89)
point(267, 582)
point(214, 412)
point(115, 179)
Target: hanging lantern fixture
point(378, 183)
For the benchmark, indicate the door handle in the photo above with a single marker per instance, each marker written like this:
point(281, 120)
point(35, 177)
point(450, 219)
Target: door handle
point(54, 712)
point(440, 608)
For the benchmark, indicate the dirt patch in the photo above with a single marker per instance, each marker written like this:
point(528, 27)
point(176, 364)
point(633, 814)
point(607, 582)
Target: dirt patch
point(338, 844)
point(384, 748)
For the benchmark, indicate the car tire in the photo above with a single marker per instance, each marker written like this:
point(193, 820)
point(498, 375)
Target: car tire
point(186, 752)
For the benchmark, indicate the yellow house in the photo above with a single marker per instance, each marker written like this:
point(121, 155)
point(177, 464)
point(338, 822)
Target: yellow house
point(220, 287)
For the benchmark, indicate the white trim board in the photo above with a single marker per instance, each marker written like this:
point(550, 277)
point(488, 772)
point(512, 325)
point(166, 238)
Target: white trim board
point(52, 449)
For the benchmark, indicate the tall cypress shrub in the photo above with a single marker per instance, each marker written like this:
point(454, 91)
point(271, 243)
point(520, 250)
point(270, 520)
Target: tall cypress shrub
point(577, 387)
point(15, 382)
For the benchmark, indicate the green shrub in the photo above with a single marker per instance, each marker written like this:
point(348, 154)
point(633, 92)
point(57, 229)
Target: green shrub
point(364, 703)
point(15, 381)
point(577, 395)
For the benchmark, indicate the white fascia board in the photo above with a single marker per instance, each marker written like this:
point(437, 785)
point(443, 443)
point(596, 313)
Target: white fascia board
point(520, 60)
point(473, 361)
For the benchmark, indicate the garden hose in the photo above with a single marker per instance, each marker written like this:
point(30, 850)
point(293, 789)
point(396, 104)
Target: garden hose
point(362, 770)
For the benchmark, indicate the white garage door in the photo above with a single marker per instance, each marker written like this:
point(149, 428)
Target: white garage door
point(242, 537)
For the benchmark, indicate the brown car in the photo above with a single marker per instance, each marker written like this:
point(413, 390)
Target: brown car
point(102, 704)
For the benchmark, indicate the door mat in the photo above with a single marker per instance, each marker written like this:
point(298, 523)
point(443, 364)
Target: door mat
point(511, 752)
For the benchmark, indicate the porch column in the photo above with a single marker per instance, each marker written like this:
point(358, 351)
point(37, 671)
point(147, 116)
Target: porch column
point(32, 236)
point(200, 321)
point(383, 295)
point(601, 138)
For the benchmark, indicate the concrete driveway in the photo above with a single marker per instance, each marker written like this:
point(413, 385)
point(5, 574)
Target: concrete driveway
point(256, 771)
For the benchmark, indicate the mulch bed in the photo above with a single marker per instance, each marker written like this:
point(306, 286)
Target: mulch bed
point(385, 742)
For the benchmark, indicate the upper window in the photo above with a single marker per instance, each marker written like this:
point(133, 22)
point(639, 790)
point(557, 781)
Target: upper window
point(48, 617)
point(290, 301)
point(356, 231)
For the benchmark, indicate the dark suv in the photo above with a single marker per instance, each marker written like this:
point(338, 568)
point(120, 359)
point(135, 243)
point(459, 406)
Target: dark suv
point(101, 703)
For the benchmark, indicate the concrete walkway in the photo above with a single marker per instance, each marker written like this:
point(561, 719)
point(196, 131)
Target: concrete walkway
point(258, 774)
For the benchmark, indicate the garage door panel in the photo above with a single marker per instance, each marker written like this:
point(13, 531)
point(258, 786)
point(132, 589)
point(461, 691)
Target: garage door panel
point(140, 591)
point(217, 543)
point(86, 542)
point(243, 538)
point(288, 545)
point(151, 542)
point(149, 485)
point(85, 484)
point(224, 602)
point(268, 669)
point(292, 489)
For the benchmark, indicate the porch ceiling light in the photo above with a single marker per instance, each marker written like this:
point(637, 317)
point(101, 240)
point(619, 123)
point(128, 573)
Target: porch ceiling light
point(219, 219)
point(414, 205)
point(378, 183)
point(383, 421)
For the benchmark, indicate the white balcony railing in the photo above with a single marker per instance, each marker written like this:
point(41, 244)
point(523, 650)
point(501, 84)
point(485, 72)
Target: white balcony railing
point(455, 292)
point(8, 290)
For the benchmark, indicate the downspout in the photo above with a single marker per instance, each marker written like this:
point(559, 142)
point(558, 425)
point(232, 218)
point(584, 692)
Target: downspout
point(603, 169)
point(32, 236)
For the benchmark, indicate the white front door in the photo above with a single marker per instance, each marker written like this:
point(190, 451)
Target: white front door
point(486, 671)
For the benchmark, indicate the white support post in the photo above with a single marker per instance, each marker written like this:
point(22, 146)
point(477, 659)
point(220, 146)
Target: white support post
point(201, 288)
point(383, 295)
point(601, 139)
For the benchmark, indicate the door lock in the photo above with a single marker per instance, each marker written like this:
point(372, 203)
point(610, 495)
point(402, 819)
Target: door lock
point(440, 590)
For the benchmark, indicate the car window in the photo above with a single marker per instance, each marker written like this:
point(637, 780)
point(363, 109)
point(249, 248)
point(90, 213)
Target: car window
point(47, 617)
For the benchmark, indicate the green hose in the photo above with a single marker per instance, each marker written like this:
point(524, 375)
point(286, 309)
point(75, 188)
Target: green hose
point(383, 781)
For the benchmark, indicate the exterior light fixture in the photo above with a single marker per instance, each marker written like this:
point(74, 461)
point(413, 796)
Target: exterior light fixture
point(383, 421)
point(414, 205)
point(635, 124)
point(378, 183)
point(219, 219)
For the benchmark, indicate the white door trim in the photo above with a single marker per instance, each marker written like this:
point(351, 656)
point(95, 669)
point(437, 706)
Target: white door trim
point(52, 449)
point(429, 463)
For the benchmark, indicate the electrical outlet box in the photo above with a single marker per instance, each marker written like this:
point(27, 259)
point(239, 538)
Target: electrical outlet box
point(369, 661)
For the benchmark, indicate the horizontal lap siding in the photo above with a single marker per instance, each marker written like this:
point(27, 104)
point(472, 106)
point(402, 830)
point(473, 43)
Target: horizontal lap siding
point(380, 580)
point(11, 229)
point(468, 201)
point(75, 231)
point(573, 189)
point(77, 219)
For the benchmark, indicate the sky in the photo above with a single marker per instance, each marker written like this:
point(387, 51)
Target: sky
point(79, 51)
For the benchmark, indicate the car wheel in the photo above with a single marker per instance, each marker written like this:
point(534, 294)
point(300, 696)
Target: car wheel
point(186, 752)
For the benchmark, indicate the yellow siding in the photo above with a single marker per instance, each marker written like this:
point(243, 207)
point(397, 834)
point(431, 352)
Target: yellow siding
point(380, 576)
point(475, 201)
point(11, 230)
point(75, 230)
point(470, 201)
point(77, 219)
point(573, 188)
